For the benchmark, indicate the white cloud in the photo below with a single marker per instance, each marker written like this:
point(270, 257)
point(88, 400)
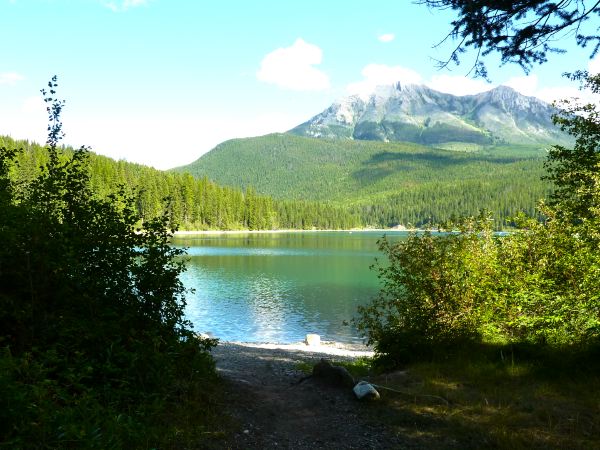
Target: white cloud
point(24, 119)
point(387, 37)
point(175, 140)
point(381, 74)
point(529, 85)
point(124, 5)
point(458, 85)
point(293, 68)
point(526, 85)
point(133, 3)
point(10, 78)
point(557, 93)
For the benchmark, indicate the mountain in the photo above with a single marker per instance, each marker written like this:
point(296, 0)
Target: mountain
point(416, 113)
point(403, 155)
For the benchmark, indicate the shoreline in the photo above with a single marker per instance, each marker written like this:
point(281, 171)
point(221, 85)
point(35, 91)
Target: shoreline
point(352, 230)
point(325, 347)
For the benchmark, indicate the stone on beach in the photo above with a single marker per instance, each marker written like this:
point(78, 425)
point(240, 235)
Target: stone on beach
point(314, 340)
point(365, 391)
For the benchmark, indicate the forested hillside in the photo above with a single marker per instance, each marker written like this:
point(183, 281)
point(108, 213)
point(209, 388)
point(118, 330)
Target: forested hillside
point(283, 181)
point(386, 183)
point(197, 204)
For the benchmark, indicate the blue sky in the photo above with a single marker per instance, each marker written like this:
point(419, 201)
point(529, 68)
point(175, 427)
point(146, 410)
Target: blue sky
point(160, 82)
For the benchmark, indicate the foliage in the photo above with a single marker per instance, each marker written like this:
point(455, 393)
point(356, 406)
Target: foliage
point(360, 367)
point(522, 31)
point(548, 284)
point(433, 291)
point(539, 284)
point(350, 185)
point(575, 171)
point(92, 324)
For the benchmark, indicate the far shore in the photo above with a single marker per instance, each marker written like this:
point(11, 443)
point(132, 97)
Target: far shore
point(353, 230)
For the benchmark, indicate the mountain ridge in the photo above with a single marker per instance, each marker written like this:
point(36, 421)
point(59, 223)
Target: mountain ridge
point(419, 114)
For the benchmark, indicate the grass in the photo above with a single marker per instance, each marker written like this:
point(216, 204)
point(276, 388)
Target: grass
point(358, 368)
point(494, 402)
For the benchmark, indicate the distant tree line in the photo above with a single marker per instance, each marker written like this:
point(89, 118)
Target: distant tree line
point(409, 188)
point(435, 202)
point(193, 204)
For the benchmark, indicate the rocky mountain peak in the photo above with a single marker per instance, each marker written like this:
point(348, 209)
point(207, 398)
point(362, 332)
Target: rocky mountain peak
point(417, 113)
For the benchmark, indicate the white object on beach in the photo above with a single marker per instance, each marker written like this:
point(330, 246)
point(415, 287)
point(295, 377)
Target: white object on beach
point(314, 340)
point(365, 391)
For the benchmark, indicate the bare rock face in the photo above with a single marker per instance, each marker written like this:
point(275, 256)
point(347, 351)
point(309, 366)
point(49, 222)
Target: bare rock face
point(336, 376)
point(417, 113)
point(365, 391)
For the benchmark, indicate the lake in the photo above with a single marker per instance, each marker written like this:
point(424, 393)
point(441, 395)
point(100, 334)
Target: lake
point(277, 287)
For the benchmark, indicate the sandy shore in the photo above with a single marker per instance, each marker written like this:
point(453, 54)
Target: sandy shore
point(325, 348)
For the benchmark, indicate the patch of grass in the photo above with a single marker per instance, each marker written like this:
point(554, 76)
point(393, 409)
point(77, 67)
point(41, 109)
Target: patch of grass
point(358, 368)
point(304, 367)
point(495, 402)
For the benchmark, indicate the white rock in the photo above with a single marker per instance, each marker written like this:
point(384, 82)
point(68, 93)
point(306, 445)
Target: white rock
point(365, 391)
point(314, 340)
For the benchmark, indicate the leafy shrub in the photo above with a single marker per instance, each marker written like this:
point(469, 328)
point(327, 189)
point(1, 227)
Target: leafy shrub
point(540, 284)
point(92, 320)
point(433, 288)
point(547, 285)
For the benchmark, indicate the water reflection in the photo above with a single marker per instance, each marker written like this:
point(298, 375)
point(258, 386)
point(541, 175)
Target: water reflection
point(278, 287)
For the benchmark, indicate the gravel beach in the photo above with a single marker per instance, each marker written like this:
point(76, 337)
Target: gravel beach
point(271, 408)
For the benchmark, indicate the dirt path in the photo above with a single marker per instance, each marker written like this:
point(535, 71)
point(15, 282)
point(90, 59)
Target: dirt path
point(272, 410)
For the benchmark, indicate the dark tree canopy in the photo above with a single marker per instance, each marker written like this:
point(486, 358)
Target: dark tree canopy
point(522, 31)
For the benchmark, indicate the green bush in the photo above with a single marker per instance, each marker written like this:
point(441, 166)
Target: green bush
point(547, 285)
point(433, 289)
point(92, 327)
point(538, 285)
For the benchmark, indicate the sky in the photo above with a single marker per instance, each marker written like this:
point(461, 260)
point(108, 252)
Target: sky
point(161, 82)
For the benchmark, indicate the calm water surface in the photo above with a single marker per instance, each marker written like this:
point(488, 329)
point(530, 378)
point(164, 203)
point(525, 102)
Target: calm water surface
point(277, 287)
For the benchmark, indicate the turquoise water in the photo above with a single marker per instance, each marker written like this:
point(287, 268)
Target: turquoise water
point(277, 287)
